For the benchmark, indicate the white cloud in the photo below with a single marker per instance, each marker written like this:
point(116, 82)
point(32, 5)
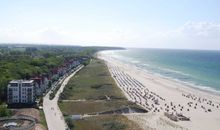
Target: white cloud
point(201, 29)
point(51, 35)
point(191, 35)
point(42, 35)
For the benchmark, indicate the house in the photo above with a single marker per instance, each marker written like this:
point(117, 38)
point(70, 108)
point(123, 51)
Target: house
point(75, 63)
point(38, 83)
point(21, 91)
point(72, 63)
point(54, 74)
point(46, 80)
point(61, 70)
point(41, 84)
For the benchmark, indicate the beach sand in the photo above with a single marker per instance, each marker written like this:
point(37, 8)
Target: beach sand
point(160, 95)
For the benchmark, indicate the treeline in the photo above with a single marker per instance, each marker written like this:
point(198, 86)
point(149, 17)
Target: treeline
point(24, 61)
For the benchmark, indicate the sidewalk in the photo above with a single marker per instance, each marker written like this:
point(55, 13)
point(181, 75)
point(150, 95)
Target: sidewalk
point(53, 115)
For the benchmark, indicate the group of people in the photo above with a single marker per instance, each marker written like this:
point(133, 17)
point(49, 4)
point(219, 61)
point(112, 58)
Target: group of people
point(151, 101)
point(200, 103)
point(136, 91)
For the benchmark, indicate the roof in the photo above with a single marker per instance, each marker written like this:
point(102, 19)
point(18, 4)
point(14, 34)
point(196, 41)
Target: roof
point(37, 80)
point(22, 81)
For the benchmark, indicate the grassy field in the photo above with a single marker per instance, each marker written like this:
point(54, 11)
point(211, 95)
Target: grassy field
point(113, 122)
point(93, 82)
point(85, 107)
point(43, 119)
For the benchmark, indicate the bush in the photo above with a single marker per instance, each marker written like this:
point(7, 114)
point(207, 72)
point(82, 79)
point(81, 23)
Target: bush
point(96, 86)
point(4, 111)
point(41, 101)
point(85, 63)
point(52, 95)
point(69, 122)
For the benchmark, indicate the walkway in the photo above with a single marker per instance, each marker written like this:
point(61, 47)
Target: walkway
point(53, 115)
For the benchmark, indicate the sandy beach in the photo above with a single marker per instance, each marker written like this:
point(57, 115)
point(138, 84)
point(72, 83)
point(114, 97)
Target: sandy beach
point(171, 105)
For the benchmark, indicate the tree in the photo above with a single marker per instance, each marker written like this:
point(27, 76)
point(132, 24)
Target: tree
point(4, 111)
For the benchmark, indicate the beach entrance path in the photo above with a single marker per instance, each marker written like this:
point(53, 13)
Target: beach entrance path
point(53, 115)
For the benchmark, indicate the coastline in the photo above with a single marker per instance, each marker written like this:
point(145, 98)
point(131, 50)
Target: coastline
point(202, 88)
point(173, 91)
point(189, 83)
point(191, 86)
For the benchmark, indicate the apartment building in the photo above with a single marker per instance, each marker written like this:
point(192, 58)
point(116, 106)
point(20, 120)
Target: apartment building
point(21, 91)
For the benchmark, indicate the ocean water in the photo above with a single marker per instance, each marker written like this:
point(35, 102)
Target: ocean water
point(195, 68)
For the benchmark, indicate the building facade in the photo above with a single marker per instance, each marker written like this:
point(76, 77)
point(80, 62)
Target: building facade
point(21, 91)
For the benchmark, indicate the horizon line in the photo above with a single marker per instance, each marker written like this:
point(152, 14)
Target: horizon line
point(77, 45)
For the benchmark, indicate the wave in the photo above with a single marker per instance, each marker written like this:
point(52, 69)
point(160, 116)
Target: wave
point(171, 74)
point(175, 71)
point(186, 82)
point(199, 87)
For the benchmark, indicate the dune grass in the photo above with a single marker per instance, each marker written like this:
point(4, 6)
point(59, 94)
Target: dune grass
point(113, 122)
point(93, 82)
point(86, 107)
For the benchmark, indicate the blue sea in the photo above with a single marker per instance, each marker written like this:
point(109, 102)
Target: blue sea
point(195, 68)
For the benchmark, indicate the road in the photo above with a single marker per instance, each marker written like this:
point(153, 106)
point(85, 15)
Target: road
point(53, 115)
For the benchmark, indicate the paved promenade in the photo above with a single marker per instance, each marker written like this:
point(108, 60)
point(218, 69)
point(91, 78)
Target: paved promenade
point(53, 115)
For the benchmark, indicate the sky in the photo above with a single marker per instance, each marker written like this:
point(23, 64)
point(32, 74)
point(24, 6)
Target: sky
point(182, 24)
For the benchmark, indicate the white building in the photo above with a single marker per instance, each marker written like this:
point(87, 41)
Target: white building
point(21, 91)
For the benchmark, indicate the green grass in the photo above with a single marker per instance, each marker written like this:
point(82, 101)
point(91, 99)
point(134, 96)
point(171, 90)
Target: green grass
point(113, 122)
point(43, 119)
point(92, 82)
point(85, 107)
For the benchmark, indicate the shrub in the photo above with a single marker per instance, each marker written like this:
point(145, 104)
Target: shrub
point(52, 95)
point(4, 111)
point(69, 122)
